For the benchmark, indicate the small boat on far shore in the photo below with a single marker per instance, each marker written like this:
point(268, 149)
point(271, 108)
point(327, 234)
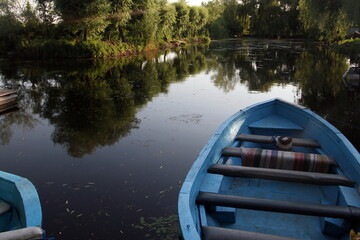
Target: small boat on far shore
point(20, 209)
point(274, 170)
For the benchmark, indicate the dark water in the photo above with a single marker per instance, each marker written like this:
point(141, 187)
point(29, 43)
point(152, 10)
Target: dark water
point(108, 143)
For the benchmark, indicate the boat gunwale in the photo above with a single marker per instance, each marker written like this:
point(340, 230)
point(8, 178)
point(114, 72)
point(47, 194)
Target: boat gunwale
point(26, 202)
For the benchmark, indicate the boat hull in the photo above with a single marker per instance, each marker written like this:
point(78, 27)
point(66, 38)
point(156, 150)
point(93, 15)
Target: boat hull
point(21, 195)
point(270, 118)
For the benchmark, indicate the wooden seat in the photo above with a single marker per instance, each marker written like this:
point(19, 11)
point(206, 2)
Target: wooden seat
point(266, 158)
point(269, 139)
point(270, 205)
point(281, 175)
point(218, 233)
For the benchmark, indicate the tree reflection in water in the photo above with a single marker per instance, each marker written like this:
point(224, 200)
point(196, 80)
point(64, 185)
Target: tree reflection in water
point(93, 104)
point(319, 72)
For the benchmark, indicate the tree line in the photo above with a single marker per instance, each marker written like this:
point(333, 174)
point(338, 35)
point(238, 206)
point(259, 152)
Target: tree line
point(324, 20)
point(99, 28)
point(96, 28)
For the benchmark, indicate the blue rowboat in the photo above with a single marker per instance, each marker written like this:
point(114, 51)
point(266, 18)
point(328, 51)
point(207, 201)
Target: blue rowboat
point(20, 209)
point(274, 170)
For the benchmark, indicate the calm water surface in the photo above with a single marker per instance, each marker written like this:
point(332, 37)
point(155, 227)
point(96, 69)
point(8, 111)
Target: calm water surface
point(108, 143)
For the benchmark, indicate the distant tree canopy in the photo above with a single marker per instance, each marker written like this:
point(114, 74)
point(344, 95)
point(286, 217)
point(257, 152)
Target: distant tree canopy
point(139, 23)
point(93, 28)
point(325, 20)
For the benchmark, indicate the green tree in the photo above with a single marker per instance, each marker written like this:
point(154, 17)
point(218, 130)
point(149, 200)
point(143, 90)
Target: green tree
point(244, 20)
point(324, 20)
point(194, 19)
point(48, 17)
point(30, 21)
point(216, 24)
point(204, 17)
point(230, 16)
point(215, 9)
point(10, 26)
point(218, 29)
point(144, 22)
point(267, 23)
point(198, 17)
point(352, 9)
point(167, 22)
point(182, 19)
point(120, 15)
point(47, 11)
point(84, 17)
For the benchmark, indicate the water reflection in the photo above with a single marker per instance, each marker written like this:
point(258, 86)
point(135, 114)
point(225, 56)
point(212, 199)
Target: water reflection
point(93, 104)
point(257, 64)
point(319, 72)
point(12, 120)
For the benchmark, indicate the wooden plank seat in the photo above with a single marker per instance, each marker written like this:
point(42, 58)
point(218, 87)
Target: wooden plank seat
point(270, 205)
point(266, 158)
point(281, 175)
point(269, 139)
point(218, 233)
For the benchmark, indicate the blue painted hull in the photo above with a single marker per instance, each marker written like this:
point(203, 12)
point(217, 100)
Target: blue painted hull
point(25, 208)
point(271, 118)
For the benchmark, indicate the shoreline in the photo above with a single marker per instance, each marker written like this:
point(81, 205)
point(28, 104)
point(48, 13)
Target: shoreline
point(93, 50)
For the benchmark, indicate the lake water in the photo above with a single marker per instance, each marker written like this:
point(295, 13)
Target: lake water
point(108, 143)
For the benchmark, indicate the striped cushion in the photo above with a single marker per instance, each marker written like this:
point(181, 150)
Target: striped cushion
point(266, 158)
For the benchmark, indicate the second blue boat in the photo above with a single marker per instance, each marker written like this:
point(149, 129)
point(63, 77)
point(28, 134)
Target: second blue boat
point(20, 209)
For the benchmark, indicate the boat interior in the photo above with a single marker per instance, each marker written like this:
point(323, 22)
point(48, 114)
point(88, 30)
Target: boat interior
point(254, 190)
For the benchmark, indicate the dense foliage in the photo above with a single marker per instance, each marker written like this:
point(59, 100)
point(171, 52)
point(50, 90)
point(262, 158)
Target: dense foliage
point(103, 28)
point(95, 28)
point(324, 20)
